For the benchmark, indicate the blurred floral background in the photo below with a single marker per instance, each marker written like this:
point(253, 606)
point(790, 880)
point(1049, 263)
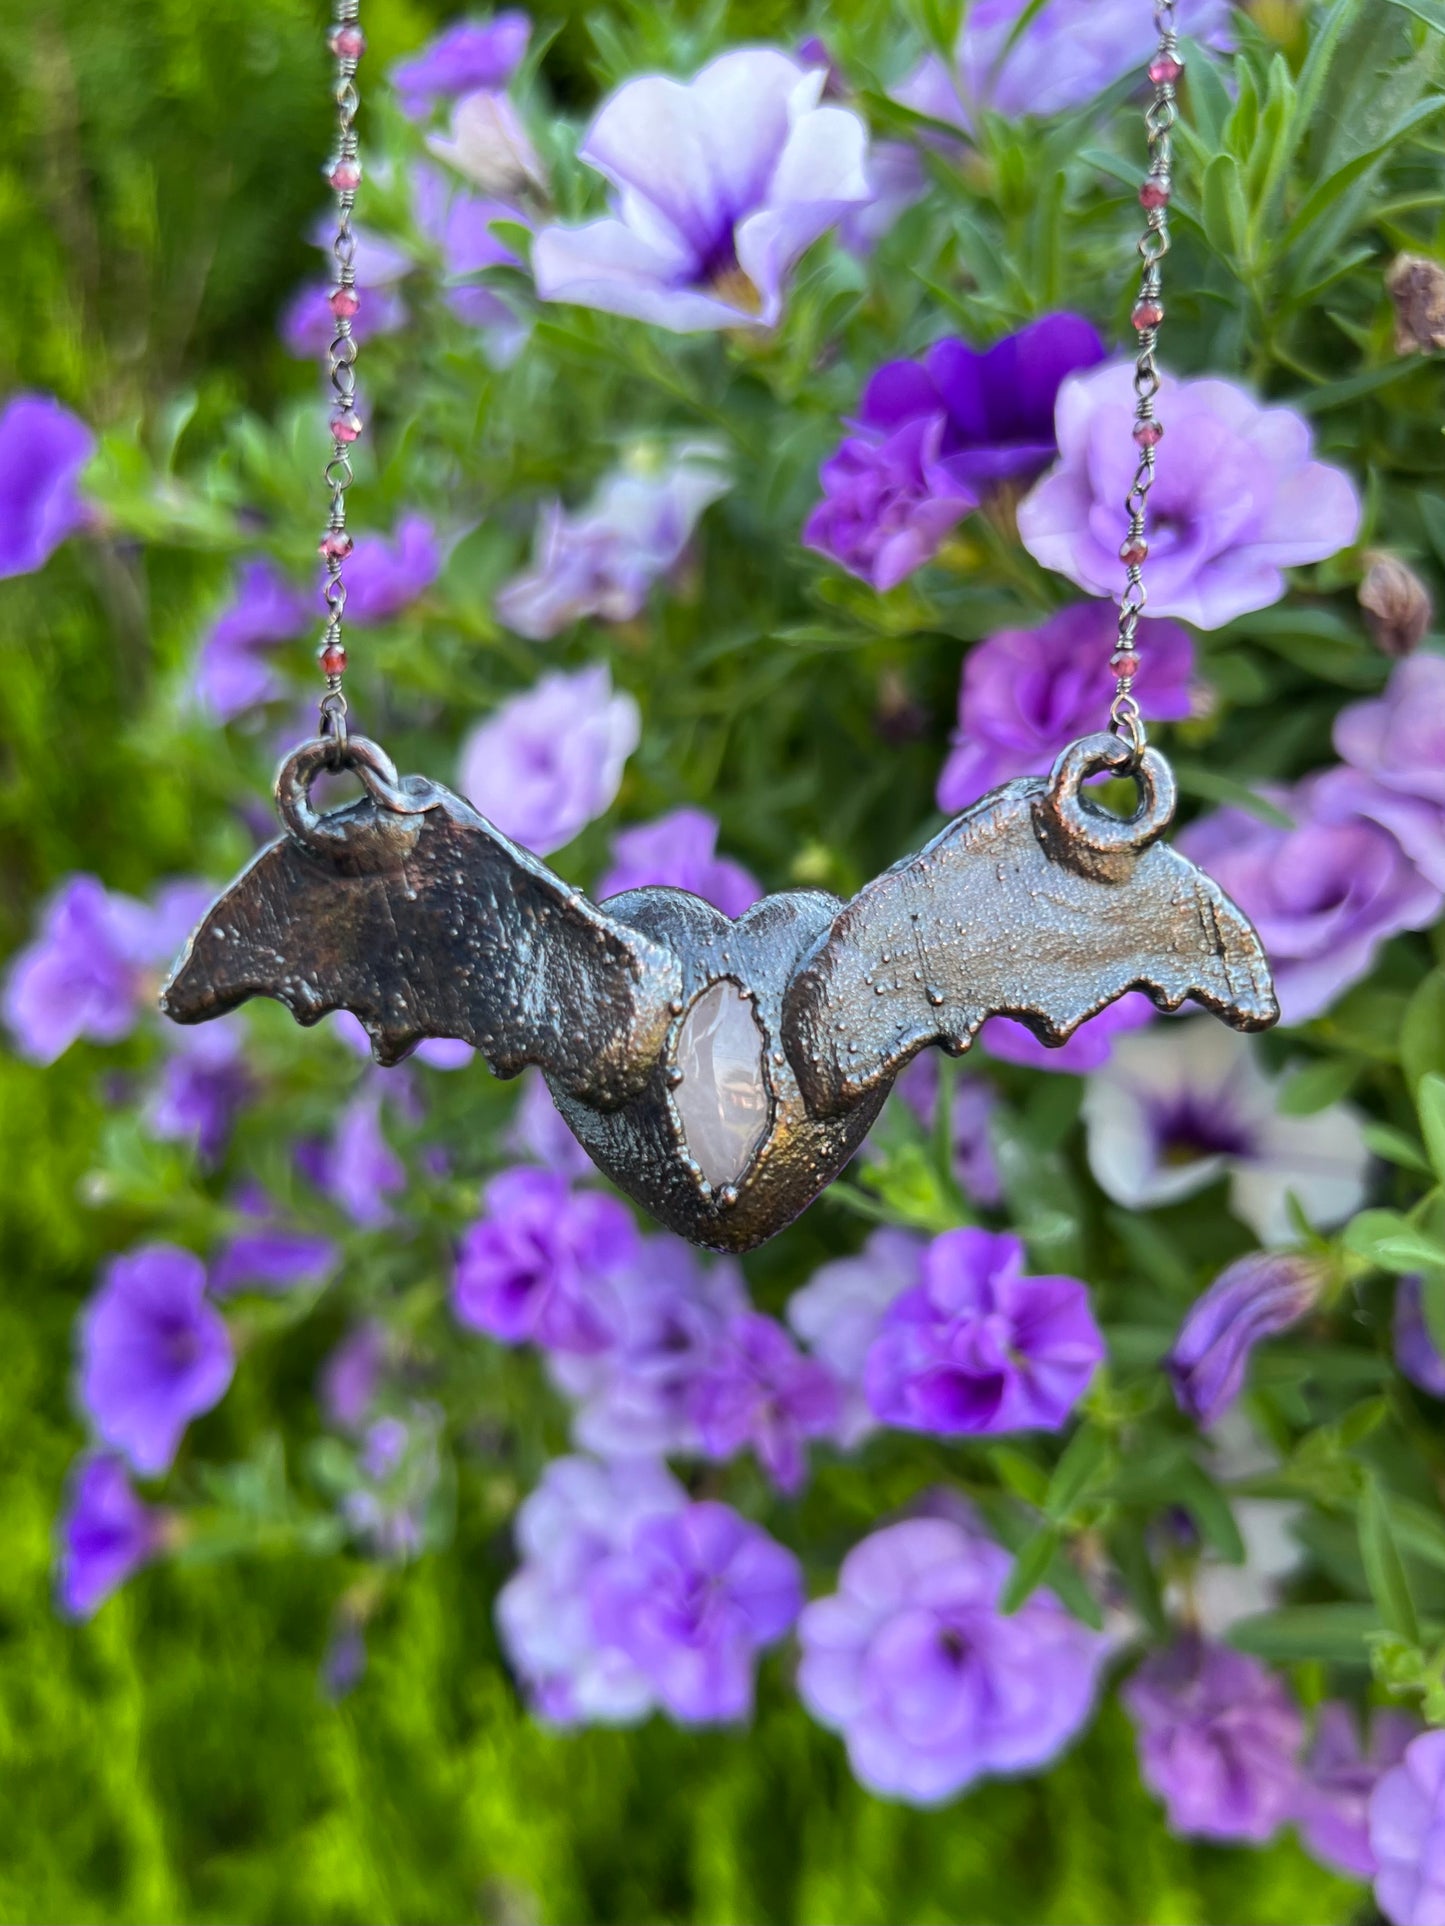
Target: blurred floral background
point(1048, 1526)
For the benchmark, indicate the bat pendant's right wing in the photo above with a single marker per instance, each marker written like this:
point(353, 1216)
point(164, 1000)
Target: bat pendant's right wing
point(1035, 904)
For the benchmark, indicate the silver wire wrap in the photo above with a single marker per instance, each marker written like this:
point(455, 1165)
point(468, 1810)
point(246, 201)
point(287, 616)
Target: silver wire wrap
point(341, 365)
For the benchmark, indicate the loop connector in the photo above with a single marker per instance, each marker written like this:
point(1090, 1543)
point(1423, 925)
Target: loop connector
point(334, 732)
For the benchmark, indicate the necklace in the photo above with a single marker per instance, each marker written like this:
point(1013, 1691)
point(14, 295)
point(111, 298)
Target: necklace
point(723, 1072)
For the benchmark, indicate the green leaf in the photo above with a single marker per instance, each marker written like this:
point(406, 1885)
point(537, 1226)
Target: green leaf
point(1430, 1101)
point(1384, 1567)
point(1085, 1459)
point(1395, 1147)
point(1432, 12)
point(1223, 207)
point(1312, 209)
point(1030, 1568)
point(1317, 1086)
point(1215, 786)
point(1210, 1510)
point(1418, 1530)
point(1332, 1634)
point(1422, 1034)
point(1020, 1474)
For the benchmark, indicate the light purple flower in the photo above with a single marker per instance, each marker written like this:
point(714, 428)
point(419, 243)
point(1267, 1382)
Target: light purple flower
point(351, 1376)
point(43, 448)
point(1325, 894)
point(581, 1515)
point(695, 1598)
point(106, 1535)
point(603, 560)
point(357, 1169)
point(723, 182)
point(399, 1467)
point(264, 610)
point(537, 1266)
point(1025, 693)
point(489, 144)
point(203, 1083)
point(889, 498)
point(929, 1684)
point(1218, 1738)
point(461, 227)
point(385, 574)
point(1339, 1774)
point(897, 180)
point(268, 1253)
point(680, 851)
point(344, 1664)
point(1407, 1835)
point(465, 56)
point(1065, 55)
point(1241, 501)
point(1254, 1298)
point(81, 975)
point(1184, 1103)
point(1089, 1048)
point(308, 327)
point(974, 1102)
point(539, 1131)
point(550, 760)
point(838, 1311)
point(1398, 743)
point(153, 1354)
point(1415, 1350)
point(757, 1389)
point(976, 1346)
point(669, 1322)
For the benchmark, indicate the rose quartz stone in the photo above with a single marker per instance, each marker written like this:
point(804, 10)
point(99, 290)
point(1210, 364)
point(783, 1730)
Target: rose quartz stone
point(722, 1098)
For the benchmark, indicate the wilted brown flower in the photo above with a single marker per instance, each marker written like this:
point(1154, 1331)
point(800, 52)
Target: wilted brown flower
point(1397, 604)
point(1417, 288)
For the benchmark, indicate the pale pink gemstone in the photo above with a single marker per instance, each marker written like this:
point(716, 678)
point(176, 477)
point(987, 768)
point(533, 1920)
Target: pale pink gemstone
point(722, 1099)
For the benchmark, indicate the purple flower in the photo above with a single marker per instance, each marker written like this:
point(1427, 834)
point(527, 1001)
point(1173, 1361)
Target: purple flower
point(550, 760)
point(929, 1684)
point(266, 1253)
point(1089, 1048)
point(604, 560)
point(580, 1516)
point(1012, 59)
point(153, 1354)
point(1333, 1798)
point(1256, 1297)
point(384, 575)
point(106, 1535)
point(82, 974)
point(897, 180)
point(358, 1169)
point(470, 54)
point(536, 1267)
point(976, 1346)
point(308, 327)
point(351, 1375)
point(490, 145)
point(1325, 894)
point(670, 1320)
point(43, 448)
point(722, 182)
point(264, 610)
point(1027, 692)
point(1398, 743)
point(756, 1389)
point(344, 1664)
point(697, 1595)
point(202, 1086)
point(540, 1132)
point(1415, 1349)
point(1407, 1835)
point(1218, 1737)
point(399, 1468)
point(974, 1103)
point(838, 1311)
point(460, 226)
point(888, 501)
point(1241, 500)
point(679, 850)
point(1183, 1104)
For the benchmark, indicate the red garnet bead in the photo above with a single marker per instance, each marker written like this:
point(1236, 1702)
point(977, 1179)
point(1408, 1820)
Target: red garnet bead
point(1124, 662)
point(1134, 550)
point(346, 426)
point(344, 303)
point(1165, 69)
point(345, 176)
point(333, 659)
point(1148, 313)
point(336, 545)
point(1149, 434)
point(348, 43)
point(1154, 193)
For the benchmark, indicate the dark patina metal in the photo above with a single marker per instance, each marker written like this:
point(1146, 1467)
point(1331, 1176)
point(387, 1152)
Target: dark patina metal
point(409, 909)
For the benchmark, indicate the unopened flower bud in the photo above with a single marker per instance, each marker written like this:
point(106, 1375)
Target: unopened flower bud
point(1397, 605)
point(1417, 288)
point(1256, 1297)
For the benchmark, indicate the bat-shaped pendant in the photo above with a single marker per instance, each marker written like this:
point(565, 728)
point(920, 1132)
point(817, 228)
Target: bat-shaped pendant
point(721, 1073)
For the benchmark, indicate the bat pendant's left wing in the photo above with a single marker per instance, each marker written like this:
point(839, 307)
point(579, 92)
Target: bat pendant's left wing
point(1035, 904)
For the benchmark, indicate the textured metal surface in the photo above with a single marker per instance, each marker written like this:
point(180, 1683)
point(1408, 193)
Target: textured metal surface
point(411, 910)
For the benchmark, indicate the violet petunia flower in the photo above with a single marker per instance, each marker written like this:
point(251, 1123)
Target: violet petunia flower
point(461, 227)
point(931, 1686)
point(1254, 1298)
point(551, 759)
point(1013, 58)
point(889, 498)
point(308, 326)
point(976, 1346)
point(398, 1463)
point(153, 1354)
point(837, 1314)
point(603, 560)
point(679, 850)
point(756, 1389)
point(203, 1084)
point(385, 574)
point(351, 1376)
point(974, 1100)
point(1398, 743)
point(264, 610)
point(1324, 894)
point(105, 1535)
point(1407, 1835)
point(358, 1169)
point(1239, 496)
point(488, 143)
point(1339, 1774)
point(1218, 1737)
point(537, 1266)
point(1416, 1353)
point(1025, 694)
point(43, 448)
point(697, 1595)
point(722, 184)
point(81, 975)
point(467, 55)
point(266, 1252)
point(897, 180)
point(540, 1132)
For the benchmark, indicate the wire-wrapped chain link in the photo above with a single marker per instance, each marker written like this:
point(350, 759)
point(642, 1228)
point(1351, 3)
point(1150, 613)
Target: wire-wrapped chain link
point(344, 173)
point(1159, 117)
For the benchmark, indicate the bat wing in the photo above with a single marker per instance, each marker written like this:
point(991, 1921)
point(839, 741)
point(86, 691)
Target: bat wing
point(1035, 904)
point(413, 912)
